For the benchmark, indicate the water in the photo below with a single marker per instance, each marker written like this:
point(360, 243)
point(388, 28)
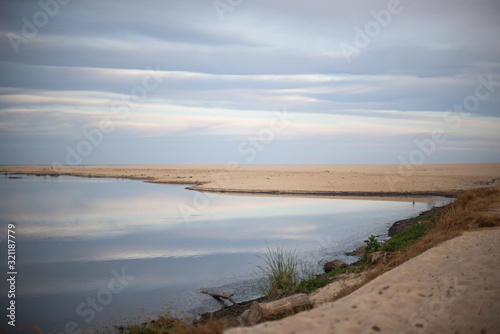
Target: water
point(100, 252)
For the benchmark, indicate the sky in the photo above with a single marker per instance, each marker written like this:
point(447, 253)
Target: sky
point(249, 82)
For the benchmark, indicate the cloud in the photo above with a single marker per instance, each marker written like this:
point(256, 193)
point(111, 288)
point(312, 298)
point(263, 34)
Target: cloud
point(223, 78)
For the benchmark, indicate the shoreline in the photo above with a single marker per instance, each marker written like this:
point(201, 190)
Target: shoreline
point(446, 282)
point(242, 306)
point(334, 194)
point(294, 180)
point(249, 192)
point(231, 310)
point(138, 174)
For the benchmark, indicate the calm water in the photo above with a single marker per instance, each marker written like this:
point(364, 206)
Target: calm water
point(97, 252)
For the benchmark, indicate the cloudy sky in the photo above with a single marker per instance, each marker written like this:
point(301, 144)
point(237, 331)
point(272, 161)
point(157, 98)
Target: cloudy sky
point(253, 82)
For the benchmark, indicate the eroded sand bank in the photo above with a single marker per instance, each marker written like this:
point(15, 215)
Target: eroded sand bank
point(451, 288)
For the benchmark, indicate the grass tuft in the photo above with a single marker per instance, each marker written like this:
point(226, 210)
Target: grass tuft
point(283, 275)
point(280, 276)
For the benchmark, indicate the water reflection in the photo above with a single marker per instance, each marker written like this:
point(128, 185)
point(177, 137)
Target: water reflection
point(72, 233)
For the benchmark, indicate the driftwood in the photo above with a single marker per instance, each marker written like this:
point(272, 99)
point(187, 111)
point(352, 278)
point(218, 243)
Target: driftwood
point(259, 312)
point(221, 296)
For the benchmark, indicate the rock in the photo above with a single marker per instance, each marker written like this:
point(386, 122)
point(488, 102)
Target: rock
point(359, 251)
point(252, 316)
point(377, 257)
point(329, 266)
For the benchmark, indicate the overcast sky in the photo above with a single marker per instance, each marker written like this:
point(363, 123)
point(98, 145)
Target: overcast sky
point(252, 82)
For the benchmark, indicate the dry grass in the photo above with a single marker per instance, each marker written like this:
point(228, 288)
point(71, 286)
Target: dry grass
point(466, 213)
point(473, 209)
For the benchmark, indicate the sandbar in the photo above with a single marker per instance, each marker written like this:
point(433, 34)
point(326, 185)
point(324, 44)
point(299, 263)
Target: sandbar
point(322, 180)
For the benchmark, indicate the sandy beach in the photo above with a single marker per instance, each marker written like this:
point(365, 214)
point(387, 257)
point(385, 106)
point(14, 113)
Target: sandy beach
point(353, 180)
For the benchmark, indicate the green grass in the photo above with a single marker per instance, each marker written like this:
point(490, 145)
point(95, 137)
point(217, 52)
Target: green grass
point(431, 216)
point(313, 282)
point(407, 237)
point(280, 276)
point(372, 246)
point(283, 275)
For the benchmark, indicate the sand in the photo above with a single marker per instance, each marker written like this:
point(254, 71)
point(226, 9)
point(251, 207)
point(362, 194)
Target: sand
point(355, 180)
point(451, 288)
